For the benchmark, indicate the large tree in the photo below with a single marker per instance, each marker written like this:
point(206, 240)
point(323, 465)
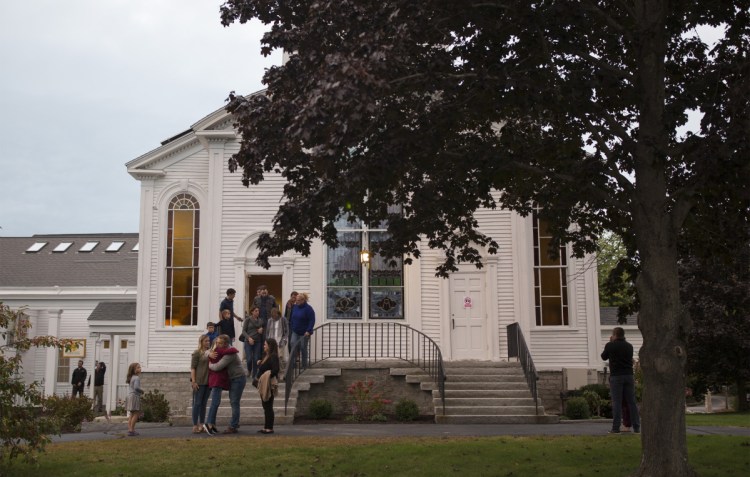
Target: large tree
point(446, 107)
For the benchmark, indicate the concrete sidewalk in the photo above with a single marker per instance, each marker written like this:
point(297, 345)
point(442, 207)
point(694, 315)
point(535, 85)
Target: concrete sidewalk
point(107, 431)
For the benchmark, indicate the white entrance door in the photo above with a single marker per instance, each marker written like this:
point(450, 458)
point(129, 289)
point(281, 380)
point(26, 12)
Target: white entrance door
point(468, 321)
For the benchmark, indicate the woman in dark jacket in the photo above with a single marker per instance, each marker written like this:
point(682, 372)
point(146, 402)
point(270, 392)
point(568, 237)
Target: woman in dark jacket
point(268, 372)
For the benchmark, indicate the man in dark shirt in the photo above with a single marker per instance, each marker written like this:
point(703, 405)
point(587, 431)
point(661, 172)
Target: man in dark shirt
point(621, 383)
point(79, 379)
point(99, 371)
point(226, 326)
point(265, 303)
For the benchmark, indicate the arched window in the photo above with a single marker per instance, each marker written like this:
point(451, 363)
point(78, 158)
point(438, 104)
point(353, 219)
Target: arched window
point(183, 227)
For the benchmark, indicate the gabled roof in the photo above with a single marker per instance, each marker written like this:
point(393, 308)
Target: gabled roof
point(69, 268)
point(216, 125)
point(114, 311)
point(608, 317)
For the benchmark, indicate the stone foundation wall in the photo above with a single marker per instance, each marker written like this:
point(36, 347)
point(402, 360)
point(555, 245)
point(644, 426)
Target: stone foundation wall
point(549, 386)
point(390, 387)
point(175, 387)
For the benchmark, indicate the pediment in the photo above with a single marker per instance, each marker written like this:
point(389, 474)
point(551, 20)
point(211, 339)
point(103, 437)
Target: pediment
point(217, 125)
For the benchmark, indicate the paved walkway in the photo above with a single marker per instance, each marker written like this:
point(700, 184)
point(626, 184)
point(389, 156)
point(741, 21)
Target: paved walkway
point(564, 428)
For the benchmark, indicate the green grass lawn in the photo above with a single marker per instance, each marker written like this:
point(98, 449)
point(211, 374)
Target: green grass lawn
point(611, 456)
point(737, 419)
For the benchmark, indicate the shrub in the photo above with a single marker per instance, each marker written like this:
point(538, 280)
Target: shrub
point(365, 402)
point(577, 408)
point(23, 431)
point(594, 401)
point(155, 407)
point(602, 390)
point(406, 410)
point(320, 409)
point(69, 413)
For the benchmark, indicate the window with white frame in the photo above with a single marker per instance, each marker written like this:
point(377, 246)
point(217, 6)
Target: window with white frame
point(183, 227)
point(550, 278)
point(63, 367)
point(355, 291)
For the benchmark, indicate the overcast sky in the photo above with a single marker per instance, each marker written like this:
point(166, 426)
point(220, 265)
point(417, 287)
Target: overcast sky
point(88, 85)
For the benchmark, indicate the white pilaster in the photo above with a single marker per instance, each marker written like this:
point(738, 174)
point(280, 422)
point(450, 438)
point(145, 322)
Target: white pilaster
point(144, 315)
point(50, 366)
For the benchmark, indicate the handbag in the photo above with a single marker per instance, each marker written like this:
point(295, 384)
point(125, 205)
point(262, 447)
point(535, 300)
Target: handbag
point(242, 338)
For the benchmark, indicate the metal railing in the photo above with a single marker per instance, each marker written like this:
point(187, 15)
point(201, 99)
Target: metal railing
point(369, 341)
point(518, 349)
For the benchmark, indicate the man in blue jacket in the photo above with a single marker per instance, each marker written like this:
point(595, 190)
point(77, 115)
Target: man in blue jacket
point(302, 322)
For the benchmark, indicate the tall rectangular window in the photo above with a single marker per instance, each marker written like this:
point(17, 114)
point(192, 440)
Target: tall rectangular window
point(63, 368)
point(183, 227)
point(355, 291)
point(550, 278)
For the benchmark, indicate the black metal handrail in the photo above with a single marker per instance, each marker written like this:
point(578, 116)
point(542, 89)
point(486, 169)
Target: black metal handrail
point(518, 349)
point(369, 341)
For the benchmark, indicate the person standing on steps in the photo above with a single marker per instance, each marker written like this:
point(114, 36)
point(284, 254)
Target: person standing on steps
point(302, 323)
point(226, 327)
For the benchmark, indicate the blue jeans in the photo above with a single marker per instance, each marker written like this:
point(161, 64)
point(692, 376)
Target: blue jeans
point(215, 402)
point(252, 355)
point(623, 387)
point(305, 340)
point(200, 399)
point(236, 386)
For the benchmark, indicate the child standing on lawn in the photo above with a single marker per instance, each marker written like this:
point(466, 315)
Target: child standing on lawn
point(133, 404)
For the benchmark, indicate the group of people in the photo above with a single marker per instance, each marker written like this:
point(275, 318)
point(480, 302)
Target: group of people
point(79, 377)
point(267, 337)
point(133, 380)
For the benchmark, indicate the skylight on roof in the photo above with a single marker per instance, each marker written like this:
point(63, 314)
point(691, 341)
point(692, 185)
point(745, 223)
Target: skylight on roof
point(62, 246)
point(88, 246)
point(114, 246)
point(135, 247)
point(36, 247)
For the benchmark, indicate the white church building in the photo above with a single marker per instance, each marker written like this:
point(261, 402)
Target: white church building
point(198, 235)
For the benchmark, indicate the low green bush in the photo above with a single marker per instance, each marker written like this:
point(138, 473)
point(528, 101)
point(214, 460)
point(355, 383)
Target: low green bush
point(69, 412)
point(155, 407)
point(320, 409)
point(406, 410)
point(577, 408)
point(602, 390)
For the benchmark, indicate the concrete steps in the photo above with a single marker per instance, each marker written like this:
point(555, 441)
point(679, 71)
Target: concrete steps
point(484, 392)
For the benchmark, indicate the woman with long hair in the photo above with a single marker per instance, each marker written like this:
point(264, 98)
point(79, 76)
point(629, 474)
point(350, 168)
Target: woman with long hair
point(199, 382)
point(252, 329)
point(133, 402)
point(268, 372)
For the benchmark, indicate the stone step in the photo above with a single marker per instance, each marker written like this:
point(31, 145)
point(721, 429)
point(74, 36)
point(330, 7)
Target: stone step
point(490, 410)
point(484, 372)
point(484, 378)
point(484, 401)
point(483, 393)
point(480, 364)
point(514, 385)
point(473, 419)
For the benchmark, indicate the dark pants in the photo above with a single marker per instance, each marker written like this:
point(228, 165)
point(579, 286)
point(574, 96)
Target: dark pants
point(78, 390)
point(622, 390)
point(252, 355)
point(268, 413)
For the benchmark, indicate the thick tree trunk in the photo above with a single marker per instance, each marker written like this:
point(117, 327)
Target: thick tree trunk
point(661, 320)
point(663, 358)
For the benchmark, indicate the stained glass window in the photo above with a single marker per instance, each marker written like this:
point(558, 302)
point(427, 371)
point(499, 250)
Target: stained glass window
point(183, 227)
point(357, 292)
